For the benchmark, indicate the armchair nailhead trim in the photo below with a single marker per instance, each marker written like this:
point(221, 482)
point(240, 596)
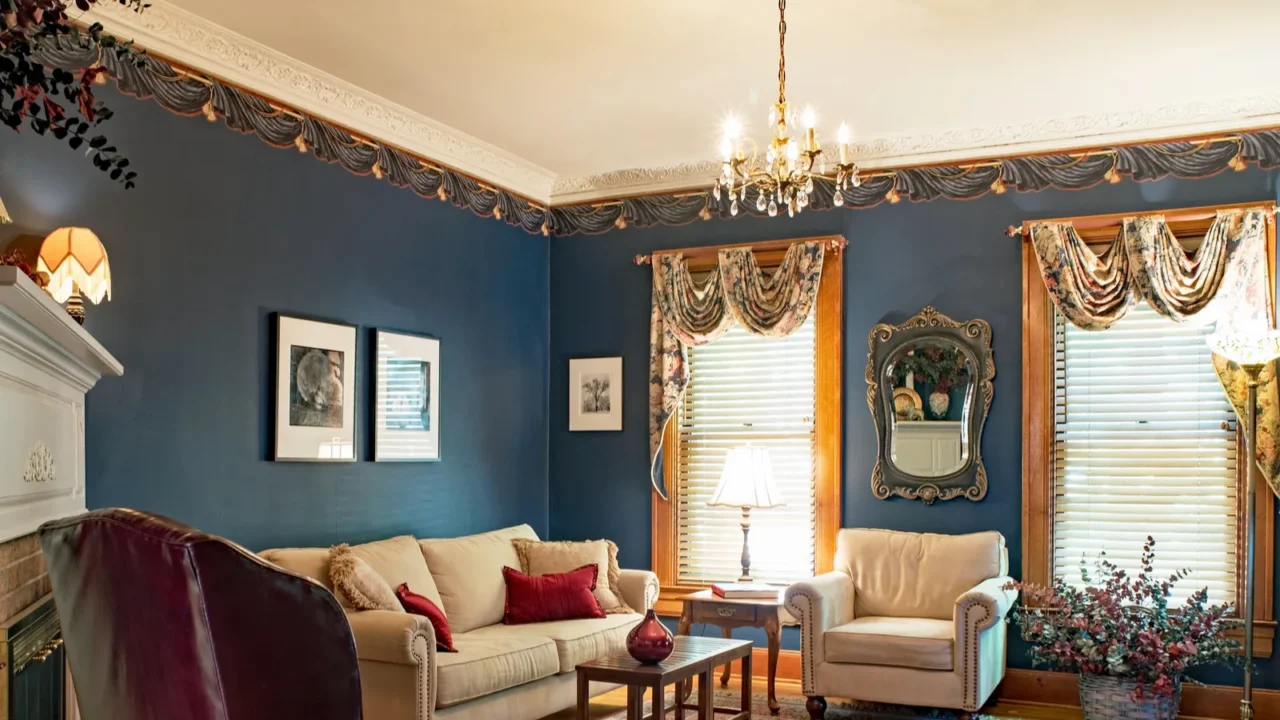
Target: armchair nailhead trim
point(651, 590)
point(808, 645)
point(971, 645)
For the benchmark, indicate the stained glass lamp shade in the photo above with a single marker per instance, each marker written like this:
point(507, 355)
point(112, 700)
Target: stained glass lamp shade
point(76, 262)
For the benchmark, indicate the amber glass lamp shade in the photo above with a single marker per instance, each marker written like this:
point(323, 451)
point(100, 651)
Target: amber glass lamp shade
point(76, 263)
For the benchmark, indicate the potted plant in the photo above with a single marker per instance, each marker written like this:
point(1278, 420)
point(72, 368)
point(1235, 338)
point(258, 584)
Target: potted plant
point(940, 367)
point(1131, 649)
point(52, 101)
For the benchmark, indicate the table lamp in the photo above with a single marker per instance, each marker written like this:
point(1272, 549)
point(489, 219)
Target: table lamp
point(1251, 351)
point(747, 482)
point(76, 263)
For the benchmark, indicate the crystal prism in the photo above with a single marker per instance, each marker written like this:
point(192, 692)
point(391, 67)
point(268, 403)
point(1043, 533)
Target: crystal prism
point(838, 198)
point(773, 208)
point(733, 207)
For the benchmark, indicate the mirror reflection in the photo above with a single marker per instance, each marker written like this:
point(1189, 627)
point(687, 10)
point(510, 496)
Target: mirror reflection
point(930, 381)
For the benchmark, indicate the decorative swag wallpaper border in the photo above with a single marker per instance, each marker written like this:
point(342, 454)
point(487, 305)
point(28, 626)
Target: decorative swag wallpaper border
point(187, 92)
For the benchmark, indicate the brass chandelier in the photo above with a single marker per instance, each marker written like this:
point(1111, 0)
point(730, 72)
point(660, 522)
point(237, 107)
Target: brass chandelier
point(785, 177)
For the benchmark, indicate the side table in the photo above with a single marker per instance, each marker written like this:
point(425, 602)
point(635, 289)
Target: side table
point(768, 613)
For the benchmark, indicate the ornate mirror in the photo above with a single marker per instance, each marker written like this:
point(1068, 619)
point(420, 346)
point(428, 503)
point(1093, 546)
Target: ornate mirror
point(929, 388)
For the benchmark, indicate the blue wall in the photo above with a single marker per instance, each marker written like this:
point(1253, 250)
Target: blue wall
point(953, 255)
point(224, 230)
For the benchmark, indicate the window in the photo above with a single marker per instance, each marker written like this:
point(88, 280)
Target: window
point(1144, 444)
point(746, 389)
point(783, 393)
point(1112, 451)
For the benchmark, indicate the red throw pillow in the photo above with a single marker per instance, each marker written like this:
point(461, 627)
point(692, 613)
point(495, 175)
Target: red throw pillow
point(554, 596)
point(417, 604)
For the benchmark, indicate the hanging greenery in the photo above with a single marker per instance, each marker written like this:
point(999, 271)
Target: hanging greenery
point(941, 367)
point(33, 93)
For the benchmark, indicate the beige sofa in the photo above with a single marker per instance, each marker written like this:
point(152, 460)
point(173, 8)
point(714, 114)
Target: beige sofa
point(905, 618)
point(518, 671)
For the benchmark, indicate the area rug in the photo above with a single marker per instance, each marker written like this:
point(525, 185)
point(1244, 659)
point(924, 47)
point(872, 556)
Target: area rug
point(792, 708)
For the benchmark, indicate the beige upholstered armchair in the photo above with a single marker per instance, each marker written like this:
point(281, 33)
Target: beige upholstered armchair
point(905, 618)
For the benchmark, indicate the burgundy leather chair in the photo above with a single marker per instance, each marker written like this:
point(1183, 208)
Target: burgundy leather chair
point(162, 621)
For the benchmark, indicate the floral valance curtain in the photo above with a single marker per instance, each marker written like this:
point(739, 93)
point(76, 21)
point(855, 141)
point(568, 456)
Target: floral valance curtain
point(690, 312)
point(1223, 282)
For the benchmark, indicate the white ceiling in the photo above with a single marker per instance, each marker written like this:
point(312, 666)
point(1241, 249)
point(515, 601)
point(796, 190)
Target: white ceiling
point(593, 97)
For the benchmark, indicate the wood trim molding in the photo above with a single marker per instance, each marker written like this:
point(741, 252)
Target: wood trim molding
point(1038, 420)
point(1217, 702)
point(828, 436)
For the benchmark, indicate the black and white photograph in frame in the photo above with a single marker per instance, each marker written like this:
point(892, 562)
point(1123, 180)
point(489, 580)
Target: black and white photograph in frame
point(595, 394)
point(406, 412)
point(315, 396)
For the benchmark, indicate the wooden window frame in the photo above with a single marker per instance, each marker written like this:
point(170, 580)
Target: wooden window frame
point(829, 358)
point(1038, 420)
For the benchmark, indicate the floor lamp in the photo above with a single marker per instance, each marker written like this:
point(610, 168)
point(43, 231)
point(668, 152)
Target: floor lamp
point(1251, 351)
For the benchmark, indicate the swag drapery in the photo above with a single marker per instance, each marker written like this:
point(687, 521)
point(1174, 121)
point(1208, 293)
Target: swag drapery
point(1223, 282)
point(688, 312)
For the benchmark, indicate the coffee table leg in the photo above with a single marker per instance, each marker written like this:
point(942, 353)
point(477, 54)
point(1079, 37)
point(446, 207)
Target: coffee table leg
point(635, 702)
point(706, 695)
point(659, 703)
point(584, 697)
point(746, 685)
point(684, 688)
point(727, 634)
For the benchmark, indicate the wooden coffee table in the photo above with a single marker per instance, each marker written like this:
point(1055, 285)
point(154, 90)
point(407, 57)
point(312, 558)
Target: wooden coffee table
point(693, 656)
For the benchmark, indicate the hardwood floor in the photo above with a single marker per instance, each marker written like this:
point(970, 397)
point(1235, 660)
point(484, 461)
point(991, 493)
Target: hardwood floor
point(612, 702)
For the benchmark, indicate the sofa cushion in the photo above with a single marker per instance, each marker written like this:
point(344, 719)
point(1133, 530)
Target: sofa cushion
point(577, 641)
point(916, 575)
point(310, 563)
point(487, 663)
point(545, 558)
point(399, 560)
point(922, 643)
point(468, 573)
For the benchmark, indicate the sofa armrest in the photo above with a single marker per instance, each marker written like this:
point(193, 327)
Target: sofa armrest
point(393, 637)
point(981, 634)
point(639, 589)
point(820, 604)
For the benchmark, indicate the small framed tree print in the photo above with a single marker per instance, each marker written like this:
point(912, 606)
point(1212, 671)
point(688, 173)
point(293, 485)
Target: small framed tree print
point(595, 394)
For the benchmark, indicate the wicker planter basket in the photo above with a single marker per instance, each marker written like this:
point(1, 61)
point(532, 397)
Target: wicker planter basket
point(1103, 697)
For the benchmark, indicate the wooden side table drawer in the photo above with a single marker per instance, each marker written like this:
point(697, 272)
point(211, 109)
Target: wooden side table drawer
point(713, 612)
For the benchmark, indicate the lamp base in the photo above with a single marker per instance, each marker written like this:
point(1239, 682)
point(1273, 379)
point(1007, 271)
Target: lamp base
point(75, 308)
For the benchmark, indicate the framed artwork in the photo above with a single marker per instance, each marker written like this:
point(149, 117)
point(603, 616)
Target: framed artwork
point(595, 394)
point(315, 392)
point(406, 392)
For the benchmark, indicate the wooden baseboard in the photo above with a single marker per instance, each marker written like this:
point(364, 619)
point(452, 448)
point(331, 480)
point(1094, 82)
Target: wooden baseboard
point(1214, 702)
point(1041, 687)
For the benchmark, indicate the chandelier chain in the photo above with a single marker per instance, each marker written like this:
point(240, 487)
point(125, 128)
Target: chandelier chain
point(782, 51)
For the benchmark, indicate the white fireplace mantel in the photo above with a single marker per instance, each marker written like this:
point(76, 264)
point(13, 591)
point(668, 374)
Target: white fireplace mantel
point(47, 364)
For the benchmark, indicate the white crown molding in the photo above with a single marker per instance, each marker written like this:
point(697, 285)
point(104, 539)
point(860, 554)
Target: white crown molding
point(965, 145)
point(190, 40)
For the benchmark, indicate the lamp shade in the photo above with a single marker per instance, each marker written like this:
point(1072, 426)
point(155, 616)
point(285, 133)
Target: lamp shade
point(75, 260)
point(1246, 347)
point(747, 480)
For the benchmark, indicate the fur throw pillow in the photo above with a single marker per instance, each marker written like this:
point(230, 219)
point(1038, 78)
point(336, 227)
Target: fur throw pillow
point(357, 584)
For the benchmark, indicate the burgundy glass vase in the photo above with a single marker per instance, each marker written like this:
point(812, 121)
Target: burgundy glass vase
point(650, 642)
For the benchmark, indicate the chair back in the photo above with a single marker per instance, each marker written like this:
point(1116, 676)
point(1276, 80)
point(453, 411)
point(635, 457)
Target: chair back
point(902, 574)
point(161, 621)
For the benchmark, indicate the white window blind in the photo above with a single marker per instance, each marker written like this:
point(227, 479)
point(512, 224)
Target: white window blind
point(748, 389)
point(1145, 444)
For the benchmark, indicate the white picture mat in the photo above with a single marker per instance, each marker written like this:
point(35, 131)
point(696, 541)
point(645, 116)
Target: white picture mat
point(405, 445)
point(583, 368)
point(315, 444)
